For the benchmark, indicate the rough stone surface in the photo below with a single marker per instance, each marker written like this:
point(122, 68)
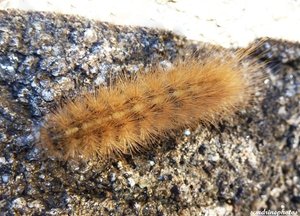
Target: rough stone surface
point(250, 163)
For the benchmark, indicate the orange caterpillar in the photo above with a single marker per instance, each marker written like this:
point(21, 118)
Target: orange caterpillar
point(134, 113)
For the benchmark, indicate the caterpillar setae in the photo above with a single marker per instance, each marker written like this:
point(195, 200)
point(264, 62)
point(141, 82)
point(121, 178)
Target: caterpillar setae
point(133, 113)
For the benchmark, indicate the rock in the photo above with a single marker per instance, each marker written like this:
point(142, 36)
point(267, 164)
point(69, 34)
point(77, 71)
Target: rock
point(247, 164)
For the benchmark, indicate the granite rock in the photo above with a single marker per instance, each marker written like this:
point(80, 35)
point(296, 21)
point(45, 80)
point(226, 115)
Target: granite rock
point(249, 163)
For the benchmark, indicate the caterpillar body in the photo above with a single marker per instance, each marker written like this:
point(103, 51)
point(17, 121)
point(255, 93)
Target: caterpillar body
point(133, 113)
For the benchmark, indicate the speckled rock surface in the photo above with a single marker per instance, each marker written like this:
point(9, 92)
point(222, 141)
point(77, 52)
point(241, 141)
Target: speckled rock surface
point(249, 163)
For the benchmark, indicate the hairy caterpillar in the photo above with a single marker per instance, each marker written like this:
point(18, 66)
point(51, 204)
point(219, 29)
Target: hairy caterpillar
point(133, 113)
